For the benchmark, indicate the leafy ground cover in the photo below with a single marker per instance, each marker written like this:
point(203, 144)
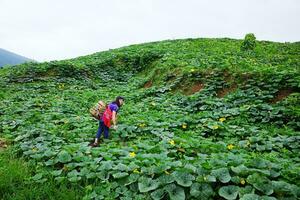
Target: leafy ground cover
point(203, 119)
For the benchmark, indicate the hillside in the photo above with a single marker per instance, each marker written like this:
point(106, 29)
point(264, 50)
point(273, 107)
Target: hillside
point(203, 119)
point(9, 58)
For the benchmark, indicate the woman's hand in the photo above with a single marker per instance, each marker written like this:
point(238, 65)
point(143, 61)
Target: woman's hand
point(114, 127)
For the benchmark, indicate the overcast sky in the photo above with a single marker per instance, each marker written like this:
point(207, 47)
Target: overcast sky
point(57, 29)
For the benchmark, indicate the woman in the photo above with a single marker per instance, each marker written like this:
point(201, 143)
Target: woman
point(110, 114)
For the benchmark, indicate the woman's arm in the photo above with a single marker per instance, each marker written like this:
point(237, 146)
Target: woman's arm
point(114, 118)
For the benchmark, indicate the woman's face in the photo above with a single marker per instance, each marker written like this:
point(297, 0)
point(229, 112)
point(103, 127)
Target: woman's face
point(121, 102)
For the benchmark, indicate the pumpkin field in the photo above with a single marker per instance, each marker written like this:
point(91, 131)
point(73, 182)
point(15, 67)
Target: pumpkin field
point(202, 119)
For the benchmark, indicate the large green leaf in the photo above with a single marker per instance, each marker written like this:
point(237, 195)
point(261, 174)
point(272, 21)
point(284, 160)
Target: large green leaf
point(240, 170)
point(158, 194)
point(201, 190)
point(183, 178)
point(56, 172)
point(73, 176)
point(259, 163)
point(281, 186)
point(190, 167)
point(131, 178)
point(60, 179)
point(120, 175)
point(175, 192)
point(64, 157)
point(211, 178)
point(106, 165)
point(222, 174)
point(250, 197)
point(286, 189)
point(37, 177)
point(229, 192)
point(74, 179)
point(49, 153)
point(261, 183)
point(246, 190)
point(166, 179)
point(147, 184)
point(121, 167)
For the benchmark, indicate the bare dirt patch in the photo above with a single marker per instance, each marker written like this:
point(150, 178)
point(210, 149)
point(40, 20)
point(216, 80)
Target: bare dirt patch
point(3, 143)
point(281, 94)
point(148, 84)
point(192, 88)
point(224, 91)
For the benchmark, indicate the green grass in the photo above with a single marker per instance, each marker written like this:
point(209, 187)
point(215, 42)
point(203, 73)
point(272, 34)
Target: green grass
point(15, 183)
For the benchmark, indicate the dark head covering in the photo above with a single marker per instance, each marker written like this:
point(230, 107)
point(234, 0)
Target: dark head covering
point(117, 101)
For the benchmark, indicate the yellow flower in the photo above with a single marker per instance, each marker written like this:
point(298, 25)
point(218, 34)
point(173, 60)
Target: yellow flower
point(61, 86)
point(65, 168)
point(243, 181)
point(136, 171)
point(142, 125)
point(132, 154)
point(215, 127)
point(248, 142)
point(222, 119)
point(230, 146)
point(184, 126)
point(172, 142)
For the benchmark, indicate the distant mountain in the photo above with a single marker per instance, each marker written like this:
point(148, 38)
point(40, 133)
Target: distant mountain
point(9, 58)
